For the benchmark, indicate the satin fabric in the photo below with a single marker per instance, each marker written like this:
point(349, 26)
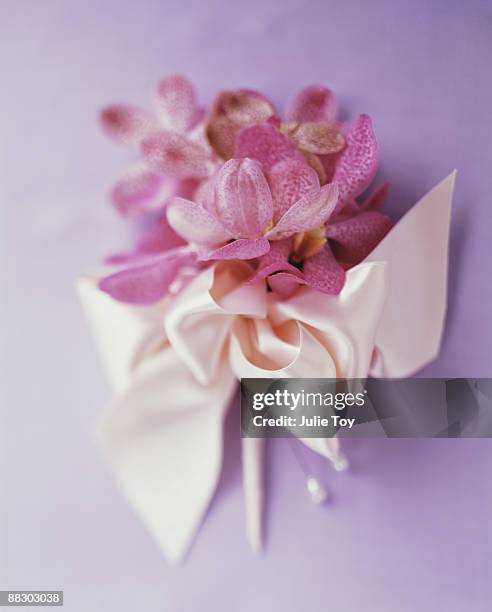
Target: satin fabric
point(174, 365)
point(416, 253)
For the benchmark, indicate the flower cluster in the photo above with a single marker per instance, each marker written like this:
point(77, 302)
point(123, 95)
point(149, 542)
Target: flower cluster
point(239, 182)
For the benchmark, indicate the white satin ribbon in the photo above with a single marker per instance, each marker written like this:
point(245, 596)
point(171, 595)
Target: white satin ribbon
point(416, 254)
point(174, 365)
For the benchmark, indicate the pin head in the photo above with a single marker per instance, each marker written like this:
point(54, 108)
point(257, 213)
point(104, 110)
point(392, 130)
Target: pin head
point(316, 490)
point(341, 464)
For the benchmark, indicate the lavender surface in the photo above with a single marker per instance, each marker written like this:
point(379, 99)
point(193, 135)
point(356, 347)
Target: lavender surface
point(410, 526)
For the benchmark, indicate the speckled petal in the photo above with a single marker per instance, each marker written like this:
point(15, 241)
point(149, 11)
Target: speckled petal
point(175, 102)
point(244, 106)
point(289, 181)
point(146, 284)
point(317, 165)
point(324, 273)
point(221, 134)
point(137, 190)
point(357, 164)
point(239, 249)
point(284, 284)
point(159, 237)
point(266, 144)
point(127, 124)
point(329, 163)
point(243, 202)
point(356, 237)
point(276, 260)
point(186, 188)
point(232, 111)
point(319, 138)
point(172, 154)
point(314, 103)
point(312, 210)
point(195, 224)
point(205, 194)
point(377, 198)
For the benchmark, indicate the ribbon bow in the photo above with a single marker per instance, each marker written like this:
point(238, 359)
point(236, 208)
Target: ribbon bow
point(174, 365)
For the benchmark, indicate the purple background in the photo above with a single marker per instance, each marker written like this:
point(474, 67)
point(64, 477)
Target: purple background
point(410, 527)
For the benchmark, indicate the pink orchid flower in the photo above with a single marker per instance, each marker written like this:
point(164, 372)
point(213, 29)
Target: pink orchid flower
point(352, 231)
point(245, 123)
point(272, 205)
point(309, 122)
point(176, 156)
point(240, 218)
point(247, 211)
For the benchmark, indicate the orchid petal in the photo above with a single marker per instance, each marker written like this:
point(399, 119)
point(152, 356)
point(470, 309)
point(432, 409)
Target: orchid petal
point(171, 153)
point(276, 260)
point(221, 134)
point(127, 124)
point(176, 103)
point(273, 269)
point(357, 164)
point(284, 284)
point(205, 194)
point(356, 237)
point(232, 111)
point(317, 165)
point(243, 202)
point(307, 244)
point(289, 181)
point(159, 237)
point(314, 103)
point(312, 210)
point(141, 285)
point(329, 163)
point(279, 252)
point(377, 198)
point(317, 138)
point(243, 106)
point(186, 188)
point(238, 249)
point(266, 144)
point(195, 224)
point(137, 190)
point(324, 273)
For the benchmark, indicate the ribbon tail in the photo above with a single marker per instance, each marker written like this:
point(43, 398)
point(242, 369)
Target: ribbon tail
point(327, 447)
point(253, 453)
point(124, 335)
point(416, 255)
point(330, 449)
point(163, 438)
